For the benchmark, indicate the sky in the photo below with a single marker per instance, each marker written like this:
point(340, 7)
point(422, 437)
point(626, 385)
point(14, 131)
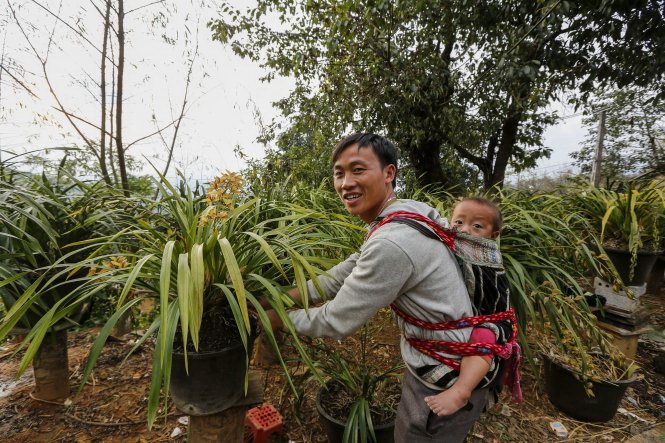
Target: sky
point(564, 137)
point(226, 98)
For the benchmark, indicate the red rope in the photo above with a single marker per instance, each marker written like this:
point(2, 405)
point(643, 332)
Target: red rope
point(434, 347)
point(458, 324)
point(509, 351)
point(446, 236)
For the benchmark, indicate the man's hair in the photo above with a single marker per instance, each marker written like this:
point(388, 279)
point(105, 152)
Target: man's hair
point(498, 217)
point(383, 148)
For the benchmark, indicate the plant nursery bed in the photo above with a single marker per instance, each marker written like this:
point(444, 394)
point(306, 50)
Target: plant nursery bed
point(112, 406)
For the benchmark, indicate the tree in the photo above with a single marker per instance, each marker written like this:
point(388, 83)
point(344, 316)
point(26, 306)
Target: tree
point(97, 36)
point(455, 84)
point(634, 141)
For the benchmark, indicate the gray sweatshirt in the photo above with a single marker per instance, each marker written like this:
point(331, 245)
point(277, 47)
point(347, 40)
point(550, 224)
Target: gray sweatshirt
point(396, 265)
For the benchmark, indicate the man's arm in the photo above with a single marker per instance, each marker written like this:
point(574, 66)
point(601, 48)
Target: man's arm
point(276, 323)
point(377, 279)
point(330, 284)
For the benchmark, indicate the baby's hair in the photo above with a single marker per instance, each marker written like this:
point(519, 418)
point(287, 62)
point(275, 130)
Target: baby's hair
point(498, 217)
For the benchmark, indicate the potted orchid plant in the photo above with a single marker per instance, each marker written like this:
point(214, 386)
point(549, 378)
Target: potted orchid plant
point(209, 256)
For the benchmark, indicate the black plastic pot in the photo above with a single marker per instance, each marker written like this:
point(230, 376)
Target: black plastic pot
point(334, 428)
point(567, 393)
point(621, 260)
point(216, 380)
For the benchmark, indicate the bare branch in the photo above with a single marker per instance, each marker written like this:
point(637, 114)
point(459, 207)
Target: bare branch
point(60, 106)
point(188, 82)
point(70, 117)
point(144, 6)
point(111, 154)
point(81, 119)
point(110, 25)
point(99, 11)
point(50, 37)
point(19, 82)
point(25, 35)
point(152, 133)
point(76, 31)
point(476, 160)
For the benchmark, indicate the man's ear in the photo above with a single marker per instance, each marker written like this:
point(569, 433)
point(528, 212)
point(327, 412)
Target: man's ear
point(390, 173)
point(495, 234)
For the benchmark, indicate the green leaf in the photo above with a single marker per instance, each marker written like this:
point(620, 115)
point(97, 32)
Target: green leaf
point(131, 278)
point(164, 287)
point(184, 295)
point(161, 364)
point(198, 281)
point(236, 278)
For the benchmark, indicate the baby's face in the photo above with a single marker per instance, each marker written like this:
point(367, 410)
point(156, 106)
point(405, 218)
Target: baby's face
point(474, 218)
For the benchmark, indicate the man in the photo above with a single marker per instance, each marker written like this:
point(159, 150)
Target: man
point(396, 265)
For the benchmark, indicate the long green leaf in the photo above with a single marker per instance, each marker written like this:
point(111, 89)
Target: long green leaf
point(184, 294)
point(131, 278)
point(164, 287)
point(196, 299)
point(268, 250)
point(236, 277)
point(161, 372)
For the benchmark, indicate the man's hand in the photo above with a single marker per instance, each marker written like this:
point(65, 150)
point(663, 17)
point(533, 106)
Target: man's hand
point(263, 301)
point(265, 304)
point(275, 322)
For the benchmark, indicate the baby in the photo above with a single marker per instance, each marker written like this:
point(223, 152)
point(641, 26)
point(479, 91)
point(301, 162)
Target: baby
point(480, 217)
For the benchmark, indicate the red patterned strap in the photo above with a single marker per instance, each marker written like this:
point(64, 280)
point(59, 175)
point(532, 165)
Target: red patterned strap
point(447, 236)
point(434, 347)
point(459, 324)
point(509, 351)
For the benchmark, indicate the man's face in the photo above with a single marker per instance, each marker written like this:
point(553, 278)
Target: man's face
point(474, 218)
point(361, 182)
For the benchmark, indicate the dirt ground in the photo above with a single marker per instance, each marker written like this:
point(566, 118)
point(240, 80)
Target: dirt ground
point(112, 406)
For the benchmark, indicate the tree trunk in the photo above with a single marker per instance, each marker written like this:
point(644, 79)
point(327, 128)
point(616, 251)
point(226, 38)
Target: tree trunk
point(506, 146)
point(425, 160)
point(508, 138)
point(225, 427)
point(119, 147)
point(51, 368)
point(111, 153)
point(264, 353)
point(102, 136)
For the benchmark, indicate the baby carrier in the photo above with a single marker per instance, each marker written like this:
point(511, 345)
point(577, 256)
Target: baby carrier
point(486, 281)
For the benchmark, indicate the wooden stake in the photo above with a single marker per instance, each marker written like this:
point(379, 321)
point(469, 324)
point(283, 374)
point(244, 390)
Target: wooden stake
point(227, 426)
point(264, 353)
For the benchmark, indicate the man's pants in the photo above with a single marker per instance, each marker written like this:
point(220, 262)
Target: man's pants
point(416, 423)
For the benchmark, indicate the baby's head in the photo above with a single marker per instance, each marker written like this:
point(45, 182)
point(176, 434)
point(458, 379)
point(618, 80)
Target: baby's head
point(477, 216)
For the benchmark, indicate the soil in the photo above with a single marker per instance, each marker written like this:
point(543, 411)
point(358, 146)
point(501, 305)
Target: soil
point(337, 402)
point(218, 331)
point(112, 405)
